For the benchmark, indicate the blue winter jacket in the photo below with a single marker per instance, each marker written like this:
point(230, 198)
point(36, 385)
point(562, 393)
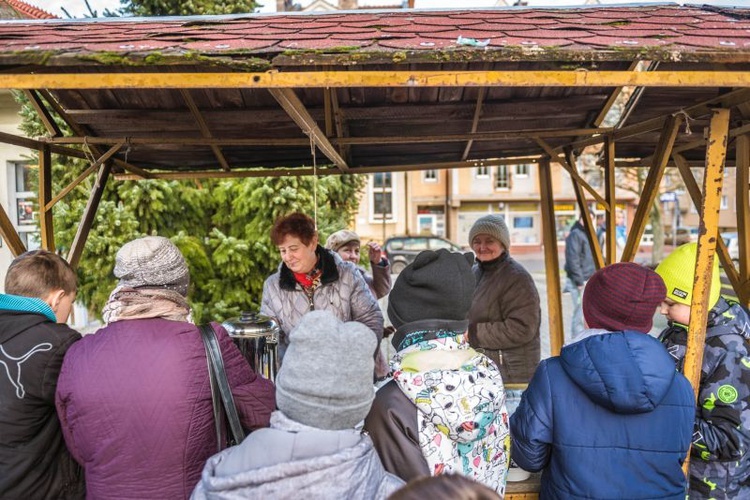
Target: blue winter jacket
point(609, 418)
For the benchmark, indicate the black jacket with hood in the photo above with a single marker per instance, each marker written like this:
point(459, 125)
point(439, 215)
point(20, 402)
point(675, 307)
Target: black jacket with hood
point(34, 462)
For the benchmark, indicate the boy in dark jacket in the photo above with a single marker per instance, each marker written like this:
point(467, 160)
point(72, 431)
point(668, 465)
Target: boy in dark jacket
point(34, 462)
point(719, 458)
point(610, 417)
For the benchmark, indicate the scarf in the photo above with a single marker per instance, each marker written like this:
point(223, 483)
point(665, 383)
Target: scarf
point(142, 303)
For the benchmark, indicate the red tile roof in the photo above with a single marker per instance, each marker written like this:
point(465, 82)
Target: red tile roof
point(657, 32)
point(27, 11)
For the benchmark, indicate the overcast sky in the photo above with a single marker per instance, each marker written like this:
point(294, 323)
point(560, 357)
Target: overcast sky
point(77, 8)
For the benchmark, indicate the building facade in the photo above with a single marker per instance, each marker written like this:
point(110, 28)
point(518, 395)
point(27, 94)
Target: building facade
point(448, 202)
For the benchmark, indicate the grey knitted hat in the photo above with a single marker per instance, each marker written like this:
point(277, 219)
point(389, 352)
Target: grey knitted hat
point(494, 225)
point(152, 261)
point(325, 380)
point(437, 285)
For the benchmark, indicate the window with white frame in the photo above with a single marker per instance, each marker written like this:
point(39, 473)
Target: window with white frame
point(381, 192)
point(482, 172)
point(502, 181)
point(430, 175)
point(24, 200)
point(724, 202)
point(522, 170)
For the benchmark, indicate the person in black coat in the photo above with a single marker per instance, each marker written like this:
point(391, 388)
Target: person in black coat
point(34, 462)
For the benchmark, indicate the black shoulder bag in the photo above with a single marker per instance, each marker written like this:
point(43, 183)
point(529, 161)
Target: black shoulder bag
point(221, 393)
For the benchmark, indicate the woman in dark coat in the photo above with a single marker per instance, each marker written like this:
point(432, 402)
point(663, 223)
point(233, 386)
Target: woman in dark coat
point(504, 317)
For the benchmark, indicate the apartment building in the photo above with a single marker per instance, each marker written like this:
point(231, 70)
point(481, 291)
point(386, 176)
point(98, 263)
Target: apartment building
point(448, 202)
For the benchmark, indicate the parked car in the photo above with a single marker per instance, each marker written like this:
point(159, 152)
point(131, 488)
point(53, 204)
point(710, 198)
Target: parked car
point(683, 235)
point(401, 250)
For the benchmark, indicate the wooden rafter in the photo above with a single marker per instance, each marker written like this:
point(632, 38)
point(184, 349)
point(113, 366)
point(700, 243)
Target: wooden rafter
point(67, 189)
point(651, 186)
point(299, 114)
point(342, 140)
point(41, 110)
point(203, 126)
point(475, 122)
point(324, 170)
point(729, 100)
point(80, 130)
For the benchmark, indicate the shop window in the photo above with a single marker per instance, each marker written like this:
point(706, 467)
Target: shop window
point(523, 222)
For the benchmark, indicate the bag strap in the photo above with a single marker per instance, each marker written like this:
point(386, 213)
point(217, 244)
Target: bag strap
point(220, 385)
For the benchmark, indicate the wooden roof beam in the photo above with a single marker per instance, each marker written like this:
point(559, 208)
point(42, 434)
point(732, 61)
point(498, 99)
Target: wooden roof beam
point(203, 126)
point(731, 99)
point(325, 170)
point(106, 156)
point(339, 141)
point(82, 131)
point(281, 80)
point(297, 112)
point(41, 110)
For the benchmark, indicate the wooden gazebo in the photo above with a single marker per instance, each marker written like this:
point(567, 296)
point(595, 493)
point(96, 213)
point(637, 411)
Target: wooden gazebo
point(378, 91)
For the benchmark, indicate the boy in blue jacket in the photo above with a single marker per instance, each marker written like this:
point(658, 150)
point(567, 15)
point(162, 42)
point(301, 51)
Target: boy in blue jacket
point(610, 417)
point(719, 458)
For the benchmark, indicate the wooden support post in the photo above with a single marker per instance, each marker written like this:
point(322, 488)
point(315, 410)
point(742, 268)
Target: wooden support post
point(588, 223)
point(651, 187)
point(716, 151)
point(45, 195)
point(475, 121)
point(551, 264)
point(743, 215)
point(610, 195)
point(76, 248)
point(10, 235)
point(695, 194)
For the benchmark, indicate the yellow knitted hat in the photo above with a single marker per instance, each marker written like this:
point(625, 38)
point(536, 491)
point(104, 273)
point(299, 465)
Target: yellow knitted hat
point(678, 273)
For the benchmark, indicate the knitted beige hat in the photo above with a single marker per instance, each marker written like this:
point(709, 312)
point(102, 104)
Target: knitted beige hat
point(152, 261)
point(493, 225)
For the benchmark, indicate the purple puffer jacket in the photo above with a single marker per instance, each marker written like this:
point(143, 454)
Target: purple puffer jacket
point(134, 402)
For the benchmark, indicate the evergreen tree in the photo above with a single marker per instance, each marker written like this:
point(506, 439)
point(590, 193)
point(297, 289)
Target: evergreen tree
point(186, 7)
point(222, 227)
